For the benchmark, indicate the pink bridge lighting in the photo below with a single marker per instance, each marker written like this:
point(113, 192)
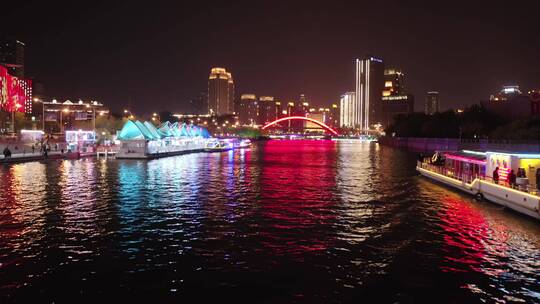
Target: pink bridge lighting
point(325, 126)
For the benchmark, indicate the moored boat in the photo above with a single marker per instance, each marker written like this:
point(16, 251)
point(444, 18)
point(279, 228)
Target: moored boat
point(508, 179)
point(218, 145)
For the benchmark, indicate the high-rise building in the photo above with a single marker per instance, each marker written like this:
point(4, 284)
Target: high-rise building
point(333, 118)
point(369, 87)
point(432, 103)
point(12, 56)
point(348, 112)
point(199, 104)
point(395, 100)
point(220, 92)
point(253, 110)
point(247, 109)
point(266, 109)
point(278, 109)
point(394, 83)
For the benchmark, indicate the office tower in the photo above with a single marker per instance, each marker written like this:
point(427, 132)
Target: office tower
point(253, 109)
point(395, 99)
point(266, 109)
point(333, 119)
point(199, 104)
point(12, 56)
point(278, 109)
point(220, 92)
point(247, 110)
point(432, 103)
point(369, 87)
point(348, 112)
point(394, 83)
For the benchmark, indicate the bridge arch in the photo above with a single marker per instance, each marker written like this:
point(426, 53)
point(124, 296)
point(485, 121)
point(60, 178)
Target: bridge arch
point(325, 126)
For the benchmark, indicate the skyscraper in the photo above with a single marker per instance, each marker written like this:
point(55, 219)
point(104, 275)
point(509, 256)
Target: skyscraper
point(12, 56)
point(247, 109)
point(333, 119)
point(432, 103)
point(348, 113)
point(199, 104)
point(394, 83)
point(369, 87)
point(395, 99)
point(220, 92)
point(266, 109)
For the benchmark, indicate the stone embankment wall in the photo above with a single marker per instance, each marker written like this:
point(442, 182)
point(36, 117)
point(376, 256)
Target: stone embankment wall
point(439, 144)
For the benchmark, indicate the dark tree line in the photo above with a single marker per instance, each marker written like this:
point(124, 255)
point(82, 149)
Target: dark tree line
point(474, 122)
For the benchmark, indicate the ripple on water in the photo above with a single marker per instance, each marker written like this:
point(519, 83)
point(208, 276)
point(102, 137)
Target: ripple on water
point(313, 221)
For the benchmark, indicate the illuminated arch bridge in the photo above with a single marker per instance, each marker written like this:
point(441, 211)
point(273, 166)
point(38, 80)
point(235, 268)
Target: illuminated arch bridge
point(325, 126)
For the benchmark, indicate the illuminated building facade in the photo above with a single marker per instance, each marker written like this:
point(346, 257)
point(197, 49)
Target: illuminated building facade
point(432, 103)
point(220, 92)
point(247, 109)
point(511, 102)
point(61, 116)
point(395, 100)
point(348, 112)
point(394, 83)
point(12, 56)
point(507, 92)
point(15, 93)
point(266, 110)
point(278, 109)
point(369, 88)
point(333, 118)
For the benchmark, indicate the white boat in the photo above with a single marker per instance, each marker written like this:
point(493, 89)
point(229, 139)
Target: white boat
point(488, 175)
point(242, 144)
point(368, 138)
point(218, 145)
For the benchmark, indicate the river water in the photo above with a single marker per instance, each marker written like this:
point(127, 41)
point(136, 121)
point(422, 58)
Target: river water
point(286, 221)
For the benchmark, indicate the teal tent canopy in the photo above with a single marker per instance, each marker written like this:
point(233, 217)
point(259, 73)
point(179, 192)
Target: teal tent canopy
point(136, 130)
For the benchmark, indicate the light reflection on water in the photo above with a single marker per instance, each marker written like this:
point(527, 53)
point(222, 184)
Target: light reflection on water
point(284, 221)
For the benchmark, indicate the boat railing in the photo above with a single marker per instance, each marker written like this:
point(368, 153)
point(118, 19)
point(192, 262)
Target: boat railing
point(469, 178)
point(464, 177)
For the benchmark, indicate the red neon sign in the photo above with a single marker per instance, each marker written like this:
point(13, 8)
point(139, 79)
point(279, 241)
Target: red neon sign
point(301, 118)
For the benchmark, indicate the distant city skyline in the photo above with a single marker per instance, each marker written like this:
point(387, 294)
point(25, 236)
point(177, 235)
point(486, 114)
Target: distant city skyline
point(157, 57)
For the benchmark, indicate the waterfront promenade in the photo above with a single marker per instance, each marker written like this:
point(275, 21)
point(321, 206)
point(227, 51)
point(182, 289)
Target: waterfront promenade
point(26, 157)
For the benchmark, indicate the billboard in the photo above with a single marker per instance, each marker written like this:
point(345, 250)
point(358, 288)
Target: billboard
point(15, 93)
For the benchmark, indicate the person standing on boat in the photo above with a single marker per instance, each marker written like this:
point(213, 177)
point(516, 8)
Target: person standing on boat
point(512, 179)
point(496, 175)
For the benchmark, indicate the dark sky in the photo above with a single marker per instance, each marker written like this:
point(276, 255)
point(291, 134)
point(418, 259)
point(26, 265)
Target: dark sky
point(157, 55)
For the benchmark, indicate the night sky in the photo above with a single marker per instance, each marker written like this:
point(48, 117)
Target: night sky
point(156, 55)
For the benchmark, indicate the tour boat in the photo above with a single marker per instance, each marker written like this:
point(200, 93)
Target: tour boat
point(218, 145)
point(476, 173)
point(242, 144)
point(367, 138)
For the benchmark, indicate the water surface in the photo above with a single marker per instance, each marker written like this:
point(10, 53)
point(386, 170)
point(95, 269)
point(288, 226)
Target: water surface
point(286, 221)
